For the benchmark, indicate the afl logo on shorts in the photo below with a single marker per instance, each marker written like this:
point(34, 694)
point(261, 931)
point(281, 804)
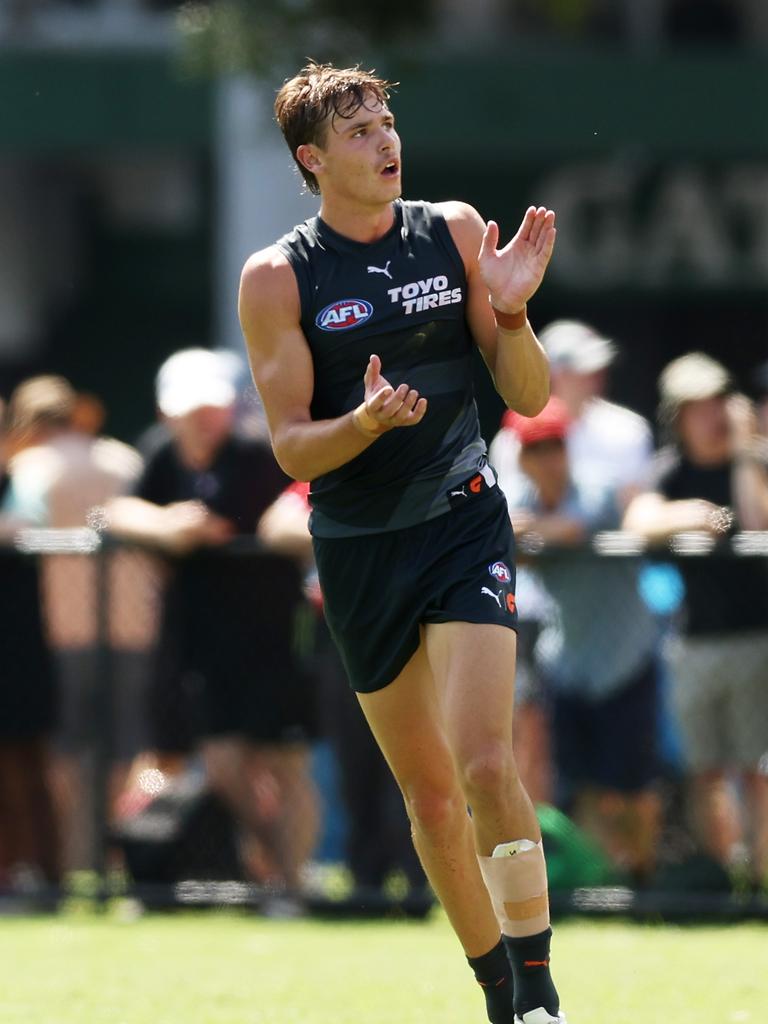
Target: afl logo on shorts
point(344, 314)
point(500, 572)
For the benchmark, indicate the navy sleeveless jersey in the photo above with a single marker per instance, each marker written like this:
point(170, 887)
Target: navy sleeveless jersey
point(402, 297)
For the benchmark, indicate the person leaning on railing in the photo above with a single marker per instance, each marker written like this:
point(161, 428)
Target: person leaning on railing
point(29, 853)
point(596, 649)
point(61, 469)
point(712, 479)
point(226, 675)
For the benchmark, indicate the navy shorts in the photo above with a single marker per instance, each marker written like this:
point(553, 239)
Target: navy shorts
point(380, 588)
point(609, 743)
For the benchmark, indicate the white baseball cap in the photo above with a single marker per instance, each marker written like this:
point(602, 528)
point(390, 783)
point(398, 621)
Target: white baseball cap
point(193, 378)
point(573, 345)
point(690, 378)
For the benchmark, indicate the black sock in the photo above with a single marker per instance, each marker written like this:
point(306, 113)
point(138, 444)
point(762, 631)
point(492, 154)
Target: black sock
point(494, 975)
point(529, 957)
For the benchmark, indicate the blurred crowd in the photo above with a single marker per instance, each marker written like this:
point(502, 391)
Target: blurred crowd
point(182, 668)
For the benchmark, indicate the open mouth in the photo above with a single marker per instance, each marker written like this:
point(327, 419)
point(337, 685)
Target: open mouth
point(391, 170)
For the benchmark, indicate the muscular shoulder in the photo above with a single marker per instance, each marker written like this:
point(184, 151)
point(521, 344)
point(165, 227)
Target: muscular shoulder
point(268, 286)
point(466, 227)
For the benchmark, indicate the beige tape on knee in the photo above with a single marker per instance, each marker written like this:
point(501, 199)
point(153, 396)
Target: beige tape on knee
point(516, 878)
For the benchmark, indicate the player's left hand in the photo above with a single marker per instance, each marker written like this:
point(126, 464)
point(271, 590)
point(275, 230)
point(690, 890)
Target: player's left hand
point(514, 273)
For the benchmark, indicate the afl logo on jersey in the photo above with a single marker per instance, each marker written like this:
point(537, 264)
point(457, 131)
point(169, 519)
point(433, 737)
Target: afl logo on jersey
point(500, 572)
point(344, 314)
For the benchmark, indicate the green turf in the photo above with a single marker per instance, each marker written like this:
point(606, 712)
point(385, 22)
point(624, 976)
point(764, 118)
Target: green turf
point(222, 969)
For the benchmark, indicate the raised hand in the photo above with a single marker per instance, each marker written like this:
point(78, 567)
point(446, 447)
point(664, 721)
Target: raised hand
point(514, 273)
point(386, 407)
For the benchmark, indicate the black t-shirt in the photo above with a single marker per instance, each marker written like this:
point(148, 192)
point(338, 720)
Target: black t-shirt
point(243, 480)
point(222, 612)
point(724, 592)
point(26, 673)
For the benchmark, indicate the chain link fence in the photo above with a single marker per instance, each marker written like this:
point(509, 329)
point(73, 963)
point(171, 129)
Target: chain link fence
point(180, 730)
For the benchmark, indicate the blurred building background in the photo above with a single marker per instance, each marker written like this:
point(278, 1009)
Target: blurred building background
point(132, 186)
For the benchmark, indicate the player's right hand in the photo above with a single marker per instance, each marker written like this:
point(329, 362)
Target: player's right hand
point(391, 407)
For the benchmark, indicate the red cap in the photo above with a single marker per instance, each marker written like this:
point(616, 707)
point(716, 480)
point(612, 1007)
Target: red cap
point(550, 424)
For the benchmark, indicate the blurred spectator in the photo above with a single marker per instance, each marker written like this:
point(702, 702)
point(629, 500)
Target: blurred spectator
point(607, 443)
point(379, 835)
point(608, 446)
point(596, 648)
point(713, 479)
point(60, 471)
point(29, 851)
point(226, 670)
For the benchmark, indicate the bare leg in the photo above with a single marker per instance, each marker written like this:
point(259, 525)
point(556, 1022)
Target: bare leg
point(227, 761)
point(716, 819)
point(446, 729)
point(533, 751)
point(475, 669)
point(756, 799)
point(296, 819)
point(30, 835)
point(626, 825)
point(405, 718)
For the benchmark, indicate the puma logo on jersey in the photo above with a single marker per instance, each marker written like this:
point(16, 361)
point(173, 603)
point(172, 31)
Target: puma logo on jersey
point(459, 494)
point(416, 296)
point(496, 597)
point(381, 270)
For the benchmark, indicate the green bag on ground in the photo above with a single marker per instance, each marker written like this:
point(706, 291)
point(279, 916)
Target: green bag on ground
point(574, 860)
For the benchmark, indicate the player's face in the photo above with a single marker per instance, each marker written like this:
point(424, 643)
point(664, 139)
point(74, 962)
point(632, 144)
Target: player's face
point(360, 157)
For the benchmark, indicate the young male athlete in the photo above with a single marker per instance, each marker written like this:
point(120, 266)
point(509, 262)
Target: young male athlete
point(411, 533)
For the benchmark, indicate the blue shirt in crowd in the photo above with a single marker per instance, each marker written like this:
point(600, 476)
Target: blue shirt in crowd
point(598, 633)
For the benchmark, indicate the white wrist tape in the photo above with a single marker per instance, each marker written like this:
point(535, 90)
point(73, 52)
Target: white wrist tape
point(516, 878)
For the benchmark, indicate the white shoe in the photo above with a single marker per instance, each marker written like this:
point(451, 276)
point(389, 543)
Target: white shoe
point(540, 1016)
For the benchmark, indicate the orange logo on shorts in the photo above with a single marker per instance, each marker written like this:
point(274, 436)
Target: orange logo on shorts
point(510, 602)
point(476, 483)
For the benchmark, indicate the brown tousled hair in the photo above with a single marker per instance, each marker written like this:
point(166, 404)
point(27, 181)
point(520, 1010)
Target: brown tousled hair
point(318, 91)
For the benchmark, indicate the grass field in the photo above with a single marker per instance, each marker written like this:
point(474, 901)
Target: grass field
point(228, 969)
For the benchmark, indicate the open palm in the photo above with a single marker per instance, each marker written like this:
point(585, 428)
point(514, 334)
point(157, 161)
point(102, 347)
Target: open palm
point(514, 273)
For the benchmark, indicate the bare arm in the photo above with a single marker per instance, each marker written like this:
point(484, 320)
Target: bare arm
point(284, 527)
point(177, 528)
point(750, 476)
point(506, 280)
point(281, 363)
point(550, 527)
point(652, 516)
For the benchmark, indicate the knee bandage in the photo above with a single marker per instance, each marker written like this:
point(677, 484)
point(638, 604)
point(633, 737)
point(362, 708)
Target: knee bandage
point(516, 878)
